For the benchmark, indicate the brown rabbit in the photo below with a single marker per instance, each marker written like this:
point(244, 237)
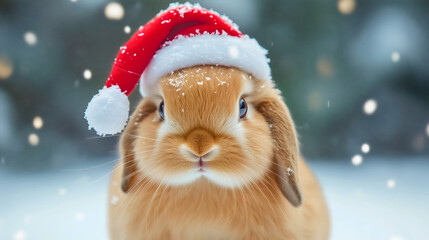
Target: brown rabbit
point(214, 155)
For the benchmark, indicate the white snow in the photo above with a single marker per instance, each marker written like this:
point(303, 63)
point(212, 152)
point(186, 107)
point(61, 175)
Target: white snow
point(108, 111)
point(127, 29)
point(166, 21)
point(357, 160)
point(233, 52)
point(370, 106)
point(87, 74)
point(365, 148)
point(30, 38)
point(361, 206)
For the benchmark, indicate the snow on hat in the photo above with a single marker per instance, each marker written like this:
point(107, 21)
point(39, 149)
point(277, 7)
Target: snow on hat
point(181, 36)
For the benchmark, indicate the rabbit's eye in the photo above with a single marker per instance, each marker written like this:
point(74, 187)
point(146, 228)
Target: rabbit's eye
point(243, 108)
point(161, 110)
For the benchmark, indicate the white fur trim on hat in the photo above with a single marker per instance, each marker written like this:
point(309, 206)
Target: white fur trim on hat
point(207, 49)
point(108, 111)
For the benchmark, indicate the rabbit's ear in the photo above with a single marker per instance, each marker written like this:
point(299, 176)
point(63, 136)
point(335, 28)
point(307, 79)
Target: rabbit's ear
point(127, 143)
point(286, 146)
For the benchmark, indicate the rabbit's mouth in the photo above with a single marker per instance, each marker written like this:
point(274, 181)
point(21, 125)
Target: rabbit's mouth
point(201, 165)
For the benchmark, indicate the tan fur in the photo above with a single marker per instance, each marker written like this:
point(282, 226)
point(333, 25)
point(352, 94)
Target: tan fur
point(201, 111)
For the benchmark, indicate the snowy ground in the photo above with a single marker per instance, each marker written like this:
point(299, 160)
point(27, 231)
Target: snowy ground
point(71, 203)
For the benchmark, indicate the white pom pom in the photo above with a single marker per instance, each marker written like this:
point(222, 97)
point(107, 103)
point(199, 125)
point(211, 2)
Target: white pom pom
point(107, 112)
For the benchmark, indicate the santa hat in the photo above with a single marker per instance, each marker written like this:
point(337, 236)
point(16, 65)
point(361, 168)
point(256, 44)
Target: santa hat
point(181, 36)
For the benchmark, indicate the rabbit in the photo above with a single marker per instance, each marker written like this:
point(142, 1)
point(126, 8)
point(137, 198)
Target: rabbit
point(214, 155)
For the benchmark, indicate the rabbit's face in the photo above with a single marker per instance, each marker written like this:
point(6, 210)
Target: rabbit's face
point(205, 127)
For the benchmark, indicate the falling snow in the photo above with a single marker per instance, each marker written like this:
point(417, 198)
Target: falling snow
point(370, 106)
point(357, 160)
point(30, 38)
point(127, 29)
point(87, 74)
point(365, 148)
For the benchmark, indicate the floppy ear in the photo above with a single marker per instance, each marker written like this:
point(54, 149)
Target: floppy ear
point(127, 143)
point(286, 149)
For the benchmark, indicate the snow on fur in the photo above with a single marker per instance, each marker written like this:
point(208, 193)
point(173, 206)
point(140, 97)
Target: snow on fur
point(205, 49)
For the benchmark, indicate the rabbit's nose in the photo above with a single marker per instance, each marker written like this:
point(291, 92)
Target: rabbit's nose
point(199, 144)
point(201, 158)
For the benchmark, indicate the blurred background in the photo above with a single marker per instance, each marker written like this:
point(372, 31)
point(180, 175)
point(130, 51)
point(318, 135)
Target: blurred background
point(354, 74)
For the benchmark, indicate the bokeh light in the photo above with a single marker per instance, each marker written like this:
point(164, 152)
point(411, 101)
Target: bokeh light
point(114, 11)
point(87, 74)
point(365, 148)
point(127, 29)
point(370, 106)
point(325, 67)
point(357, 160)
point(79, 216)
point(6, 68)
point(37, 122)
point(30, 38)
point(314, 101)
point(395, 57)
point(33, 139)
point(346, 6)
point(19, 235)
point(62, 191)
point(391, 183)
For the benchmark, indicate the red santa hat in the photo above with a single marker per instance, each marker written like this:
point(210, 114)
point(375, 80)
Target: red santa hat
point(181, 36)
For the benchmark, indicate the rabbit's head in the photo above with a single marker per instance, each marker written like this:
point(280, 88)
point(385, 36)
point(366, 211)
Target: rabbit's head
point(212, 122)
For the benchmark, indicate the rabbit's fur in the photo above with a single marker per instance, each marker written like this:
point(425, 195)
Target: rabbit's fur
point(257, 186)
